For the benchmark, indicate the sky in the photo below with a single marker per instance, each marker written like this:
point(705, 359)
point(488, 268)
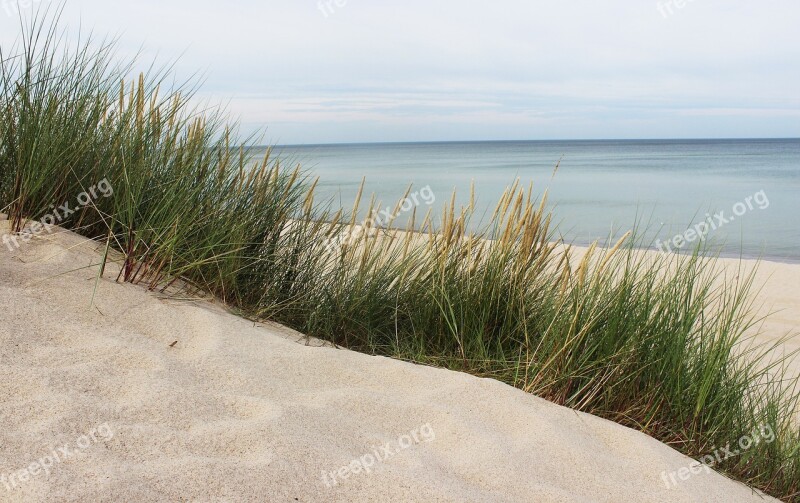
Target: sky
point(333, 71)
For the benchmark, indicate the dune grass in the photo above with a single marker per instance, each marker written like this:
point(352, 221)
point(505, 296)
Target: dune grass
point(650, 341)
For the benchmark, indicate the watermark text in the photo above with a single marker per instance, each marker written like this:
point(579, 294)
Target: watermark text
point(47, 463)
point(365, 463)
point(713, 222)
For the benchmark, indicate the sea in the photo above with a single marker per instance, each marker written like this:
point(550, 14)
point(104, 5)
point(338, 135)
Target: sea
point(739, 197)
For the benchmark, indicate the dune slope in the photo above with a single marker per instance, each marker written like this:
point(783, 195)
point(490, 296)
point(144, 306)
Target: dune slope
point(112, 393)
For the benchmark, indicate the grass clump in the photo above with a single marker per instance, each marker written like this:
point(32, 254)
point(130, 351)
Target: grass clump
point(654, 342)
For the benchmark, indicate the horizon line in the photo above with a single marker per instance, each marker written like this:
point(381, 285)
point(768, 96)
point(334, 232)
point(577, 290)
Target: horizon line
point(560, 140)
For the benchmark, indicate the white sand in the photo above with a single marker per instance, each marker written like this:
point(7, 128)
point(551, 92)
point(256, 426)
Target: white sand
point(779, 299)
point(237, 412)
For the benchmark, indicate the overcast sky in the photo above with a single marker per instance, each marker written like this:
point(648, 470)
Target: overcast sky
point(410, 70)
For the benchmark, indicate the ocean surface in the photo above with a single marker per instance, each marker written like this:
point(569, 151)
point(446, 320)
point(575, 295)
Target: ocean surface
point(742, 196)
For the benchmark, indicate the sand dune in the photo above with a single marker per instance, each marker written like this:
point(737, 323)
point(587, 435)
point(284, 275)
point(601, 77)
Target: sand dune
point(145, 398)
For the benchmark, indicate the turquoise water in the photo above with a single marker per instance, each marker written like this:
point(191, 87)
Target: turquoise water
point(602, 188)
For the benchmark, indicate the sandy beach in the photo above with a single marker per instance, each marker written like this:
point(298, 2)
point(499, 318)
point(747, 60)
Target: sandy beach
point(212, 292)
point(113, 393)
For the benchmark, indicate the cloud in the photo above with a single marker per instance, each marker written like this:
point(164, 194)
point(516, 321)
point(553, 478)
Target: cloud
point(417, 70)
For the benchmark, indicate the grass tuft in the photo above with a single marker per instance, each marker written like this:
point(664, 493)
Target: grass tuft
point(653, 342)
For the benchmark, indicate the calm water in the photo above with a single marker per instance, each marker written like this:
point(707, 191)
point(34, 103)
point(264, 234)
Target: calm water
point(602, 188)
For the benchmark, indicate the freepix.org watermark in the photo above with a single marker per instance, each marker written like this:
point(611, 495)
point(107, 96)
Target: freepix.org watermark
point(713, 222)
point(14, 7)
point(669, 7)
point(57, 215)
point(760, 434)
point(329, 7)
point(66, 452)
point(365, 463)
point(380, 218)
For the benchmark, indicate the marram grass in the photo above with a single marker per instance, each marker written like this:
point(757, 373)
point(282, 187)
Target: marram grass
point(651, 341)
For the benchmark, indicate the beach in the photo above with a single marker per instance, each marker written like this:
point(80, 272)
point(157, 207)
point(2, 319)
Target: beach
point(149, 397)
point(484, 259)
